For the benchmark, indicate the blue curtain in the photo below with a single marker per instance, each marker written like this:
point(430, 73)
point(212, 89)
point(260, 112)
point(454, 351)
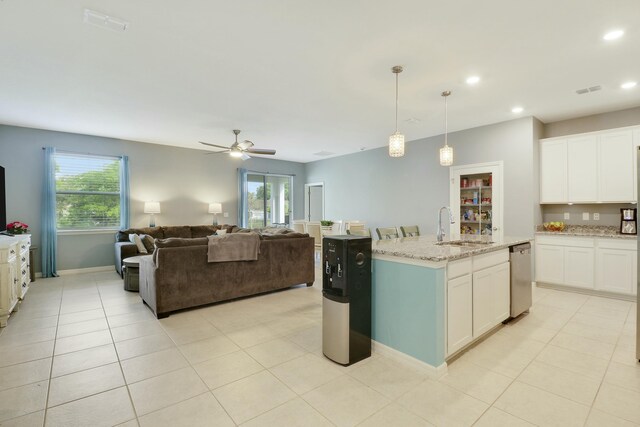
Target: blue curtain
point(49, 238)
point(242, 197)
point(124, 192)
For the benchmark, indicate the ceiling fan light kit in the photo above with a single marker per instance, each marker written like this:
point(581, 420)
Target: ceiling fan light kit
point(241, 149)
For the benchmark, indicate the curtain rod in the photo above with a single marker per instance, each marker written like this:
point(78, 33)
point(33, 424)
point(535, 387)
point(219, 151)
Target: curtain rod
point(270, 173)
point(86, 153)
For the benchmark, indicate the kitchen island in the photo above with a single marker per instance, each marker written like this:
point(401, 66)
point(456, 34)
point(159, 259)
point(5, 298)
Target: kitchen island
point(430, 299)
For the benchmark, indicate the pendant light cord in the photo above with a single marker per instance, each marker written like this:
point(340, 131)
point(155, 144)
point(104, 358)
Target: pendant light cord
point(397, 102)
point(446, 121)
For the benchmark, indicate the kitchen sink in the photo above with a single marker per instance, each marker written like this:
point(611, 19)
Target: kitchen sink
point(471, 243)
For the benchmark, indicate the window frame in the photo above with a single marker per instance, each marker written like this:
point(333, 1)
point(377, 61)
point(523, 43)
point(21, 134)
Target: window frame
point(264, 176)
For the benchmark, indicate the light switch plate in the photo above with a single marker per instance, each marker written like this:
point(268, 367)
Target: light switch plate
point(567, 215)
point(226, 215)
point(585, 216)
point(596, 216)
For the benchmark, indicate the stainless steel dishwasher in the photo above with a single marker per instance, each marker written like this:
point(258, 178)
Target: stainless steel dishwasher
point(520, 259)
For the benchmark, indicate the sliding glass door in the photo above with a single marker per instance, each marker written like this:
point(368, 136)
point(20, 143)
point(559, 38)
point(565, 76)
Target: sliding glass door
point(268, 200)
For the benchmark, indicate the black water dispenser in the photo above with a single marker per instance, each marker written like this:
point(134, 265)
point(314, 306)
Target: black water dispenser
point(346, 302)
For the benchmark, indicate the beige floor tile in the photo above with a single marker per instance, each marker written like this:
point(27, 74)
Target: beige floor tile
point(618, 401)
point(251, 336)
point(443, 405)
point(200, 411)
point(226, 369)
point(502, 359)
point(84, 359)
point(143, 345)
point(476, 381)
point(272, 353)
point(130, 423)
point(82, 327)
point(130, 318)
point(625, 355)
point(251, 396)
point(579, 363)
point(345, 401)
point(624, 376)
point(19, 401)
point(600, 322)
point(136, 330)
point(34, 419)
point(200, 351)
point(153, 364)
point(294, 413)
point(26, 353)
point(605, 312)
point(104, 409)
point(24, 373)
point(602, 419)
point(494, 417)
point(561, 382)
point(310, 339)
point(116, 307)
point(528, 332)
point(82, 316)
point(583, 345)
point(390, 378)
point(19, 324)
point(394, 415)
point(192, 333)
point(568, 301)
point(547, 317)
point(82, 342)
point(604, 335)
point(541, 407)
point(164, 390)
point(306, 373)
point(84, 383)
point(9, 340)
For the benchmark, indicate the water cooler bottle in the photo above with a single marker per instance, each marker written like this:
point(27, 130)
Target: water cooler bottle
point(346, 302)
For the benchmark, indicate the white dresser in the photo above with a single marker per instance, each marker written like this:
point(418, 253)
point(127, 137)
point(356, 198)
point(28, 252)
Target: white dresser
point(14, 273)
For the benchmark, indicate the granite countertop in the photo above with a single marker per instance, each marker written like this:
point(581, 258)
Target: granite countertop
point(425, 247)
point(587, 231)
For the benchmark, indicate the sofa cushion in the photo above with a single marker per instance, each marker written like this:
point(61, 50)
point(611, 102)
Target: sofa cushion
point(203, 230)
point(292, 235)
point(174, 242)
point(155, 232)
point(177, 231)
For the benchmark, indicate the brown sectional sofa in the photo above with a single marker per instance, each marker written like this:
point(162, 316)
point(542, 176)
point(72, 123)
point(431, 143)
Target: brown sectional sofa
point(125, 249)
point(178, 275)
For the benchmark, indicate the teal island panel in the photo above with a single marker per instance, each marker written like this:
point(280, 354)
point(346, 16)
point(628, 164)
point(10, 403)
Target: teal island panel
point(408, 309)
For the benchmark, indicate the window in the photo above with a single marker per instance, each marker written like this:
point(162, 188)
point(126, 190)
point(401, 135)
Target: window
point(87, 191)
point(268, 200)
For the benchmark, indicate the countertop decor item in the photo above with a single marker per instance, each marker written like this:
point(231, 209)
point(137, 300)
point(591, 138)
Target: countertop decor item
point(553, 226)
point(17, 227)
point(326, 223)
point(628, 221)
point(396, 141)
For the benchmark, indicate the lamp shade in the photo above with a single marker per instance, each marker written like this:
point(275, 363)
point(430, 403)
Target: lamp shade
point(446, 156)
point(396, 145)
point(215, 208)
point(152, 207)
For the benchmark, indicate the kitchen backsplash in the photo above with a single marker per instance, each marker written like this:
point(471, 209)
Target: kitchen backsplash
point(609, 213)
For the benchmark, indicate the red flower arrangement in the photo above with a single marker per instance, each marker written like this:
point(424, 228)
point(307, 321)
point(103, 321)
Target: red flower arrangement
point(17, 227)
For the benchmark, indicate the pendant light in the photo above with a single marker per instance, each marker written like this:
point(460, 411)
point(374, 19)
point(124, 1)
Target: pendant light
point(396, 141)
point(446, 152)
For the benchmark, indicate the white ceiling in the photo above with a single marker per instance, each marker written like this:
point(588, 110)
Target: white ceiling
point(307, 76)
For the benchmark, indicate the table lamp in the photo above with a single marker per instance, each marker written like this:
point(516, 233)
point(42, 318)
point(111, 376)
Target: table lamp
point(152, 208)
point(215, 208)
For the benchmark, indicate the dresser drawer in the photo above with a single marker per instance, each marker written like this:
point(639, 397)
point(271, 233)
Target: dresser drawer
point(8, 255)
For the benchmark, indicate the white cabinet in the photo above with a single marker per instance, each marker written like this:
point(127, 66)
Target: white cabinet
point(589, 168)
point(634, 157)
point(549, 263)
point(578, 267)
point(553, 171)
point(615, 173)
point(490, 297)
point(616, 265)
point(459, 313)
point(14, 273)
point(582, 165)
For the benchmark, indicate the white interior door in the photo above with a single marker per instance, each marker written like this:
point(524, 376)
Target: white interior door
point(314, 202)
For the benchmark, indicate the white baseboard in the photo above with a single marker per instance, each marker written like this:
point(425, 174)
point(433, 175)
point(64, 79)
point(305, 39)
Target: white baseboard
point(85, 270)
point(430, 370)
point(585, 291)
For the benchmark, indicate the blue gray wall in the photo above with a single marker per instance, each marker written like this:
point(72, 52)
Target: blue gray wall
point(382, 191)
point(183, 180)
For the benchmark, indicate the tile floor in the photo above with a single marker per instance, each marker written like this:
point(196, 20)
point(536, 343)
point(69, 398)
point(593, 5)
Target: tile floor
point(83, 352)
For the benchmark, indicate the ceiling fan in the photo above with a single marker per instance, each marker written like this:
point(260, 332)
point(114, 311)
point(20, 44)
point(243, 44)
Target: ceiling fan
point(240, 149)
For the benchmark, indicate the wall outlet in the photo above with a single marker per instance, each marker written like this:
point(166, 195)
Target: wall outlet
point(585, 216)
point(567, 215)
point(226, 214)
point(596, 216)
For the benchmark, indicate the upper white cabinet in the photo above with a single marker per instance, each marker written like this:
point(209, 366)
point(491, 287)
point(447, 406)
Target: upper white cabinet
point(589, 168)
point(553, 171)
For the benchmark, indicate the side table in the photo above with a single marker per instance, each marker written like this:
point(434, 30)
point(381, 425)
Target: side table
point(32, 266)
point(131, 267)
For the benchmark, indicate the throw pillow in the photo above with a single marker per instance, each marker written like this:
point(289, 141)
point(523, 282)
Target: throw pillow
point(134, 238)
point(148, 242)
point(221, 232)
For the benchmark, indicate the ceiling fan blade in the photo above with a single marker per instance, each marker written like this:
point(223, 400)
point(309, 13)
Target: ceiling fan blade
point(217, 152)
point(214, 145)
point(261, 151)
point(245, 156)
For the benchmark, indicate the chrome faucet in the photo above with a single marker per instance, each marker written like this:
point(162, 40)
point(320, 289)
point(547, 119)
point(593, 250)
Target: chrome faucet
point(440, 229)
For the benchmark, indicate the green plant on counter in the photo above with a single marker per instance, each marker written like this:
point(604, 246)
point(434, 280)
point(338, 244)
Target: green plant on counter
point(326, 223)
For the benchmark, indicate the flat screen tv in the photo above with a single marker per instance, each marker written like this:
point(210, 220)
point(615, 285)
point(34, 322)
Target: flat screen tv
point(3, 203)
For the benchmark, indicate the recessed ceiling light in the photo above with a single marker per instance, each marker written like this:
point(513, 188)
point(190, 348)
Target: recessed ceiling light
point(628, 85)
point(473, 80)
point(517, 110)
point(613, 35)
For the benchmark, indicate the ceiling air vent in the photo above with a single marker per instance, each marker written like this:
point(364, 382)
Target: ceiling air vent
point(588, 89)
point(324, 153)
point(104, 21)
